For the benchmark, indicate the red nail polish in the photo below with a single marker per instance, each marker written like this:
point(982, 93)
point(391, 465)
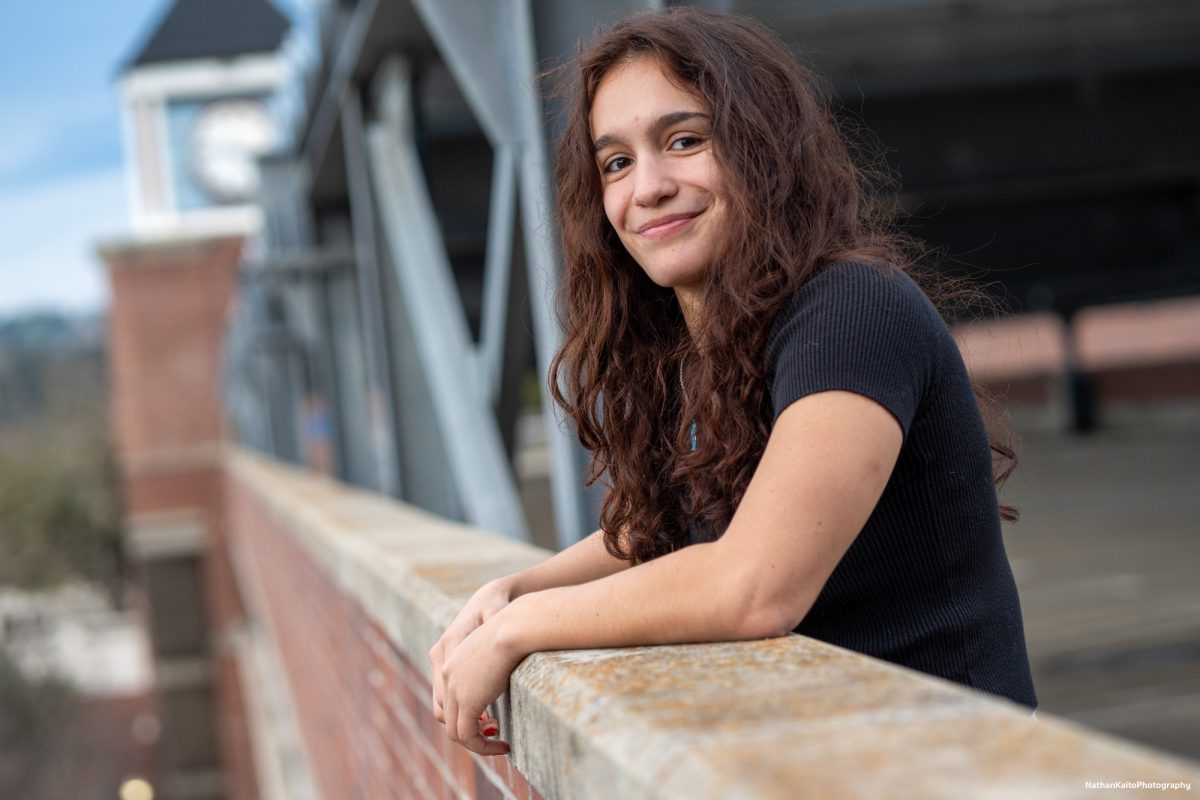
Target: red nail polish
point(490, 730)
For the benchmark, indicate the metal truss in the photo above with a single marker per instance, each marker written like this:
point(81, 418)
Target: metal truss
point(386, 349)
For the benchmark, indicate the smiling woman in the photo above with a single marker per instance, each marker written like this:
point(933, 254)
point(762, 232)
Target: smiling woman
point(654, 144)
point(787, 430)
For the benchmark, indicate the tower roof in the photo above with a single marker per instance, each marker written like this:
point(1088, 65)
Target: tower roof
point(212, 29)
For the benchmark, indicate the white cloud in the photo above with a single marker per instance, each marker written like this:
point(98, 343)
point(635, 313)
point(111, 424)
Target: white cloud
point(20, 146)
point(48, 236)
point(54, 140)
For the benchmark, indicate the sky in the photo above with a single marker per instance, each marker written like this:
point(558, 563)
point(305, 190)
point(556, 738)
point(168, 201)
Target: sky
point(62, 178)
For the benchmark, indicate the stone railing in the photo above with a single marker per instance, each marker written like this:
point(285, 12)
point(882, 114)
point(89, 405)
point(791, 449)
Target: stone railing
point(348, 591)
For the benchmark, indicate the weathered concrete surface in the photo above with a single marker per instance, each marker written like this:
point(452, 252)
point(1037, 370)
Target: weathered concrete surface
point(785, 718)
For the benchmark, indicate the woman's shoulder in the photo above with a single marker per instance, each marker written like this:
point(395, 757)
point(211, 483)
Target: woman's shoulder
point(859, 327)
point(861, 280)
point(859, 294)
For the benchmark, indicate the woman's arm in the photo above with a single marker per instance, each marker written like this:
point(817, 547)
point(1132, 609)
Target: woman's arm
point(586, 560)
point(825, 466)
point(823, 470)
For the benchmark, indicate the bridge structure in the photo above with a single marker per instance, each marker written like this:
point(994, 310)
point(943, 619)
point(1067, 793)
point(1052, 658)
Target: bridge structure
point(400, 306)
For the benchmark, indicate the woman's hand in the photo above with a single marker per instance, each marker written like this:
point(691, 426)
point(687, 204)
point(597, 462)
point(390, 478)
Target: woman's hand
point(473, 675)
point(483, 605)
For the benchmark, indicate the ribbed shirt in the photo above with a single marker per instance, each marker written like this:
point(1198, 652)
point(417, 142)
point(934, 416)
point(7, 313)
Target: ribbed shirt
point(926, 583)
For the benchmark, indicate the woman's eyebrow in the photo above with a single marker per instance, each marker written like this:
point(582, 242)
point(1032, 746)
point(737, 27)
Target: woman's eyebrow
point(659, 125)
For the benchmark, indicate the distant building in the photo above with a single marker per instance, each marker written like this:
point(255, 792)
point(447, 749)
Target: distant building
point(196, 103)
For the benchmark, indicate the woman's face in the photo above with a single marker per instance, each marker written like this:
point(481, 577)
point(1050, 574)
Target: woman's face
point(662, 187)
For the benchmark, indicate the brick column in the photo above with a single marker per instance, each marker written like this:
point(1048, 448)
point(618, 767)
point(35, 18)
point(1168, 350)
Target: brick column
point(170, 303)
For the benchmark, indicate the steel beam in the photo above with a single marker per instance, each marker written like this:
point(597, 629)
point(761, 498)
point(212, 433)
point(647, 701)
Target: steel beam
point(381, 405)
point(487, 489)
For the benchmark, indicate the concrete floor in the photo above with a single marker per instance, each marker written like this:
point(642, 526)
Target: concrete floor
point(1107, 561)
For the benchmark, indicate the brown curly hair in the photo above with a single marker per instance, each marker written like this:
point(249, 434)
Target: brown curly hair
point(797, 202)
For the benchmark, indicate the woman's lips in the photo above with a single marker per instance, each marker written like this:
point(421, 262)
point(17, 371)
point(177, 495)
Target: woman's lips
point(667, 226)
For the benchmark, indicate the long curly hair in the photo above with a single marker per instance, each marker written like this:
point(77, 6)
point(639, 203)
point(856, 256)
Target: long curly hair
point(796, 202)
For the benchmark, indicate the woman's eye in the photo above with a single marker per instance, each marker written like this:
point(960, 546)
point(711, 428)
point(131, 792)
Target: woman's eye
point(685, 142)
point(616, 164)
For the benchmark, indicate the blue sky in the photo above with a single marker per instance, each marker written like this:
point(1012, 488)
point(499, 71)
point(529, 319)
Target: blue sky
point(62, 184)
point(62, 180)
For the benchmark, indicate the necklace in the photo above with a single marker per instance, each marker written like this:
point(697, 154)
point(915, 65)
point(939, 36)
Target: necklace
point(683, 394)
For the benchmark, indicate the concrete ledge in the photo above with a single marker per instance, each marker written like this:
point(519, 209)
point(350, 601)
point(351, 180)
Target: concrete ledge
point(787, 717)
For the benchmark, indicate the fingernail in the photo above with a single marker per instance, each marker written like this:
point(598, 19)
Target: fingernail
point(490, 730)
point(481, 716)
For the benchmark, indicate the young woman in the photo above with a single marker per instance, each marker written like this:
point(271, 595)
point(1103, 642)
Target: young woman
point(789, 436)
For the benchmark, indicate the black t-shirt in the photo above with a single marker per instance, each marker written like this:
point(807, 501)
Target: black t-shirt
point(927, 583)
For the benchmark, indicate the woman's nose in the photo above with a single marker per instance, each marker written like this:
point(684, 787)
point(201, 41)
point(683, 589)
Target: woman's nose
point(652, 183)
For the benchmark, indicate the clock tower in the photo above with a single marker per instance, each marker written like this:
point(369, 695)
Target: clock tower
point(199, 108)
point(199, 103)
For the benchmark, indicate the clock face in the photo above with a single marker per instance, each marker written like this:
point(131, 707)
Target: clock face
point(227, 138)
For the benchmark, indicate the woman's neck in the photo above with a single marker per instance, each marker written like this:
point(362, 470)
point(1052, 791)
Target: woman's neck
point(689, 304)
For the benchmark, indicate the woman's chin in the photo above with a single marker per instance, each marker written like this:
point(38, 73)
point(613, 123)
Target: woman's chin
point(676, 278)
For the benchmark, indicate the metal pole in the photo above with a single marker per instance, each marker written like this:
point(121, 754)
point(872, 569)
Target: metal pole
point(381, 427)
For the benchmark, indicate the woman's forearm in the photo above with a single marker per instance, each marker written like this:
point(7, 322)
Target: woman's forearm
point(697, 594)
point(586, 560)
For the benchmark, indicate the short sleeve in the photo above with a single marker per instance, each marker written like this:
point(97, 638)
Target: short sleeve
point(857, 328)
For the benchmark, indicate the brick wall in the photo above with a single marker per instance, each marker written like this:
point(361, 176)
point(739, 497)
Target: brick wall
point(170, 303)
point(364, 709)
point(228, 613)
point(169, 310)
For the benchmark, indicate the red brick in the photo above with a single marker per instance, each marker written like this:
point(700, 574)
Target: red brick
point(485, 789)
point(463, 769)
point(403, 777)
point(166, 326)
point(500, 766)
point(517, 782)
point(412, 706)
point(434, 778)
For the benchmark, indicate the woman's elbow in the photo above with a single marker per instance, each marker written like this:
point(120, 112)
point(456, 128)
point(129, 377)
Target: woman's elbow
point(771, 623)
point(772, 619)
point(756, 606)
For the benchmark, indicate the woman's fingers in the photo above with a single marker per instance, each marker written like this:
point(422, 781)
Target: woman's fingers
point(435, 670)
point(473, 738)
point(464, 726)
point(488, 722)
point(437, 656)
point(487, 747)
point(438, 710)
point(451, 718)
point(462, 732)
point(460, 728)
